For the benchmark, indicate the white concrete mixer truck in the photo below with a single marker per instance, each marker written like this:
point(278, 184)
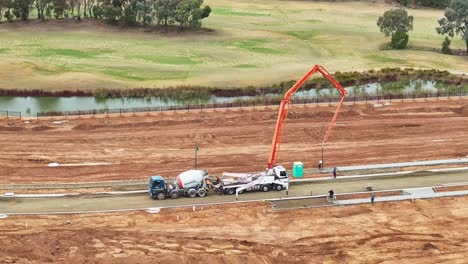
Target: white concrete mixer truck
point(193, 183)
point(189, 183)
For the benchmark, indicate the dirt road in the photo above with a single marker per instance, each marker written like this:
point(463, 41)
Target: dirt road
point(112, 202)
point(229, 140)
point(426, 231)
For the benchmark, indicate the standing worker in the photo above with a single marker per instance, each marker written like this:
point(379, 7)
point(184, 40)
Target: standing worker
point(334, 172)
point(319, 164)
point(372, 198)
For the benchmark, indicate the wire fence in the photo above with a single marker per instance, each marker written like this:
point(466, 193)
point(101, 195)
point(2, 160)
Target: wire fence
point(240, 103)
point(10, 114)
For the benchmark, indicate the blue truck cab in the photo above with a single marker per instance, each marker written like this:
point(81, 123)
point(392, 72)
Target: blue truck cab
point(157, 187)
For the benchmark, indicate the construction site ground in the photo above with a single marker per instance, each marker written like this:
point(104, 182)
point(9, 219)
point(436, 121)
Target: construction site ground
point(89, 202)
point(423, 231)
point(229, 140)
point(133, 148)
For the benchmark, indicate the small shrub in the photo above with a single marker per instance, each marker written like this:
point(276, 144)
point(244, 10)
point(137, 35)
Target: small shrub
point(446, 46)
point(399, 40)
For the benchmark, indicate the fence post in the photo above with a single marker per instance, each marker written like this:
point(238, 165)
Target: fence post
point(316, 100)
point(329, 101)
point(460, 93)
point(366, 99)
point(414, 97)
point(120, 111)
point(448, 95)
point(7, 114)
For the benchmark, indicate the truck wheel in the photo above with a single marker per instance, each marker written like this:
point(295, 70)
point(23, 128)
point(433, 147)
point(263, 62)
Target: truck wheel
point(242, 191)
point(174, 195)
point(161, 196)
point(279, 187)
point(202, 193)
point(265, 188)
point(230, 191)
point(192, 193)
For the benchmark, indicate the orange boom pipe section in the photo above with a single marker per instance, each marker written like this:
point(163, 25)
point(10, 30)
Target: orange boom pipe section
point(283, 110)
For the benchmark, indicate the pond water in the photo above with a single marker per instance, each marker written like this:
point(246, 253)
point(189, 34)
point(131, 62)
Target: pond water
point(31, 105)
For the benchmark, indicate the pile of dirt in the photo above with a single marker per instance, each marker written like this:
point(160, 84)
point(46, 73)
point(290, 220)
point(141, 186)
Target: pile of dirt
point(298, 115)
point(429, 246)
point(406, 125)
point(323, 114)
point(461, 110)
point(42, 128)
point(443, 109)
point(84, 126)
point(351, 112)
point(424, 109)
point(11, 128)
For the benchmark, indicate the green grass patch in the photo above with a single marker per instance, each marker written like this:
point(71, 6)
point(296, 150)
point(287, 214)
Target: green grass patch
point(144, 76)
point(79, 54)
point(257, 45)
point(4, 50)
point(304, 35)
point(313, 21)
point(124, 74)
point(29, 45)
point(171, 60)
point(382, 58)
point(238, 12)
point(245, 66)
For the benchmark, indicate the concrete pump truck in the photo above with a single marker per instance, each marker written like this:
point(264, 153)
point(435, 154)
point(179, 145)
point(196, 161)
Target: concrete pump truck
point(194, 183)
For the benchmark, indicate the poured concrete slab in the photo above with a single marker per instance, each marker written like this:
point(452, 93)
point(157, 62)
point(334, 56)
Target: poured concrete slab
point(421, 194)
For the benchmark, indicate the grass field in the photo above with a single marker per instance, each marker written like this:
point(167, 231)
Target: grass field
point(251, 43)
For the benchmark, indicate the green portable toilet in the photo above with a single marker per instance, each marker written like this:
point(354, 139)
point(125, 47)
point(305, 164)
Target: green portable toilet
point(298, 169)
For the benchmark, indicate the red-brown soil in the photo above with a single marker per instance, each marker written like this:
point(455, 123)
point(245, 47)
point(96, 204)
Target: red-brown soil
point(452, 188)
point(426, 231)
point(229, 140)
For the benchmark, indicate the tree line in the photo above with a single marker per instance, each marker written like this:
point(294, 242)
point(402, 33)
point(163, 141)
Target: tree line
point(428, 3)
point(187, 13)
point(397, 23)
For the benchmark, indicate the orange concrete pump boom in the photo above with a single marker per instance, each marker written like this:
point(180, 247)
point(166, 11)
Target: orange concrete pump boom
point(283, 110)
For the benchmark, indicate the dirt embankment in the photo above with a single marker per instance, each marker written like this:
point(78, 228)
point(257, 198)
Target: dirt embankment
point(229, 140)
point(426, 231)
